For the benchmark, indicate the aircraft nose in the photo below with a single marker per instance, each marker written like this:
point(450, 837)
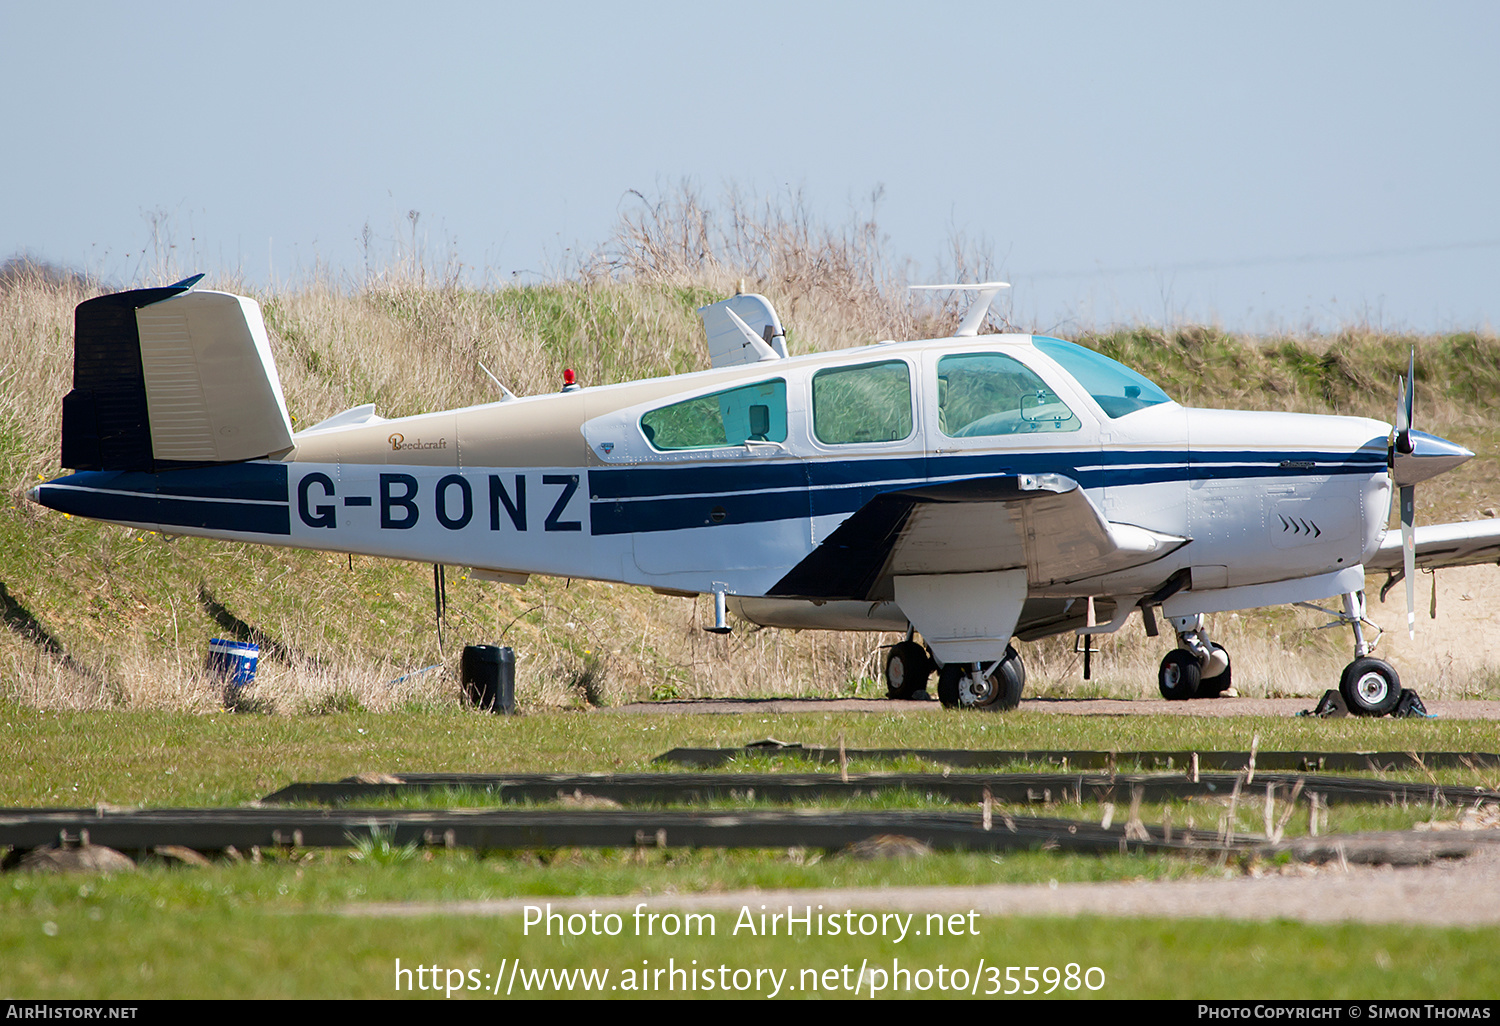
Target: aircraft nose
point(1429, 457)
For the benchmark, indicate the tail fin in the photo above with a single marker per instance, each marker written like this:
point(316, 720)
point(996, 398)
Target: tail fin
point(167, 376)
point(742, 329)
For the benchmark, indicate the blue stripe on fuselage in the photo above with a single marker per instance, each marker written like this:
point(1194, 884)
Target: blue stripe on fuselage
point(239, 497)
point(254, 482)
point(631, 500)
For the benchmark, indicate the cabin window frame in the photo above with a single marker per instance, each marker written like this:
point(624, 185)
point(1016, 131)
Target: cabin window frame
point(1016, 420)
point(776, 433)
point(847, 438)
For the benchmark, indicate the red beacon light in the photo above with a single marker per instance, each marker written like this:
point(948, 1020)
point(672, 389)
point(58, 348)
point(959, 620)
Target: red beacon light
point(570, 383)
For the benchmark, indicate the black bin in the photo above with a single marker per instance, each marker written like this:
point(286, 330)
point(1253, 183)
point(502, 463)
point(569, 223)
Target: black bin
point(489, 677)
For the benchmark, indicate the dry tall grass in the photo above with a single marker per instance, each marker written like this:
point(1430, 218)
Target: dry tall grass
point(102, 616)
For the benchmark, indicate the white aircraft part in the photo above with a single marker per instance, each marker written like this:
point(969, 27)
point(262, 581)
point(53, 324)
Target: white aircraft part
point(778, 545)
point(211, 386)
point(1295, 523)
point(1443, 545)
point(499, 577)
point(1123, 609)
point(512, 521)
point(742, 329)
point(1252, 596)
point(964, 617)
point(1059, 535)
point(1430, 456)
point(978, 310)
point(838, 615)
point(357, 415)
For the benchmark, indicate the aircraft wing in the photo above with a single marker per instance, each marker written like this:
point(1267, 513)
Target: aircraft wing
point(1042, 522)
point(1442, 545)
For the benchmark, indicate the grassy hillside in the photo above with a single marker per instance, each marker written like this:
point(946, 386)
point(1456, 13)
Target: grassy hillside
point(104, 616)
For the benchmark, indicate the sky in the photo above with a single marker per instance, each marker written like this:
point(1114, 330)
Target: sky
point(1262, 166)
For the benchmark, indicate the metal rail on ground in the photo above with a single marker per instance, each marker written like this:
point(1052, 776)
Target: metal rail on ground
point(243, 829)
point(1010, 788)
point(219, 830)
point(1309, 761)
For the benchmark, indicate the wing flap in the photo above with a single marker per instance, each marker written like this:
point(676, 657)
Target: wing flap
point(1043, 523)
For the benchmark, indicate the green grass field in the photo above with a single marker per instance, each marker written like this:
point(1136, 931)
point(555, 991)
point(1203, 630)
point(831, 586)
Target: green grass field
point(94, 948)
point(166, 758)
point(277, 927)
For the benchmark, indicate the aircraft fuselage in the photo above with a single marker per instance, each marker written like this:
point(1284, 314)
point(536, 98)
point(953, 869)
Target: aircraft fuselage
point(588, 484)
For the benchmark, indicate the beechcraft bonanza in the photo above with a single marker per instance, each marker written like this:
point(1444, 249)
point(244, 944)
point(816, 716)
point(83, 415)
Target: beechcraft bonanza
point(966, 491)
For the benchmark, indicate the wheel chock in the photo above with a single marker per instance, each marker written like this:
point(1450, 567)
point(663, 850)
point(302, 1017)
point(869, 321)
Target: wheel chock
point(1331, 707)
point(1411, 705)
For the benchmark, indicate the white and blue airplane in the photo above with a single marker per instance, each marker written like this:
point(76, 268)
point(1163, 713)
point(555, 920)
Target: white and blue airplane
point(967, 491)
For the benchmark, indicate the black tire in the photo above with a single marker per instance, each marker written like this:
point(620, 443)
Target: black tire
point(1179, 675)
point(1013, 658)
point(948, 679)
point(1005, 684)
point(1370, 687)
point(1213, 687)
point(1001, 691)
point(907, 669)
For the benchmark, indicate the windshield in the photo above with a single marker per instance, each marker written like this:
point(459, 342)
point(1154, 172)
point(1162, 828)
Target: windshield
point(1115, 387)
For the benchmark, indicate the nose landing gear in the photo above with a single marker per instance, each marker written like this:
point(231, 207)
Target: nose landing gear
point(1369, 686)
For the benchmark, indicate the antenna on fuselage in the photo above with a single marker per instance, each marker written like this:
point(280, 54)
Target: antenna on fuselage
point(506, 395)
point(979, 309)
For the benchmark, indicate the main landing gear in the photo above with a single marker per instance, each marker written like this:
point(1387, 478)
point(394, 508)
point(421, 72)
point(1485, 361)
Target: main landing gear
point(994, 686)
point(907, 669)
point(1198, 667)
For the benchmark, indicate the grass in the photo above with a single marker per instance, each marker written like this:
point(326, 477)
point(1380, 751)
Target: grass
point(231, 929)
point(323, 956)
point(179, 758)
point(274, 930)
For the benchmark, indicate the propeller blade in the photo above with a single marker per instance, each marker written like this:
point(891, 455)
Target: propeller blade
point(1402, 449)
point(1409, 555)
point(1405, 404)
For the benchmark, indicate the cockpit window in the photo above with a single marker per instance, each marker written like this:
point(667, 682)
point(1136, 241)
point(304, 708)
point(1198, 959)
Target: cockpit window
point(752, 413)
point(1115, 387)
point(983, 394)
point(868, 403)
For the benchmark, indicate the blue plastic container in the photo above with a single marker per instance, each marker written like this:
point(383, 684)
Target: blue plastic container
point(233, 661)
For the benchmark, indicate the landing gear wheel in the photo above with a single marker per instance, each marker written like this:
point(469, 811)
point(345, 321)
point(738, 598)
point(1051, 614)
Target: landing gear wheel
point(1013, 659)
point(1005, 684)
point(1179, 675)
point(1370, 687)
point(948, 680)
point(997, 692)
point(906, 670)
point(1213, 687)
